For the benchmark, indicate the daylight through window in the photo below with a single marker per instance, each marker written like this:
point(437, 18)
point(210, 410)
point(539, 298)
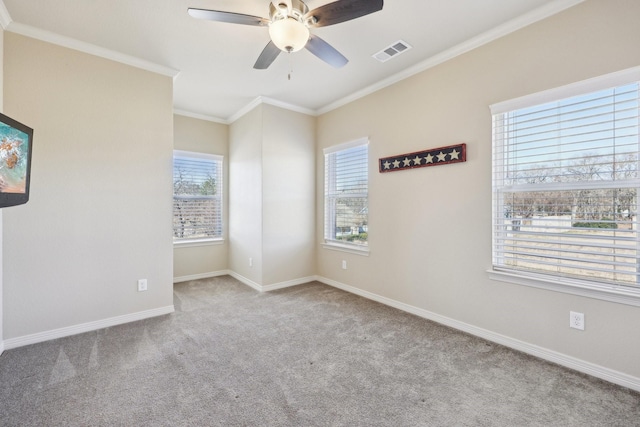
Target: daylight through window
point(565, 189)
point(346, 180)
point(197, 197)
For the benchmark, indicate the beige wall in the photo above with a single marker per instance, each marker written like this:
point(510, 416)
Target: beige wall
point(288, 195)
point(202, 136)
point(99, 215)
point(430, 229)
point(245, 195)
point(272, 198)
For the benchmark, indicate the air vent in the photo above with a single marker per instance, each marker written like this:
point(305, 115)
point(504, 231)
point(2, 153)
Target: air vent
point(392, 51)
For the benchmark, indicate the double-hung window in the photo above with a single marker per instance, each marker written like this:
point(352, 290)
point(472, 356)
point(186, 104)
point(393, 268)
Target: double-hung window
point(346, 183)
point(566, 177)
point(197, 197)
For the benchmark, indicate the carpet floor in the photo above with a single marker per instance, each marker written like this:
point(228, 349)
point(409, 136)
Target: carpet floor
point(310, 355)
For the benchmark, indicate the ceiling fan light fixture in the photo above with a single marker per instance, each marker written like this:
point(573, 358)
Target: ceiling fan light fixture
point(289, 34)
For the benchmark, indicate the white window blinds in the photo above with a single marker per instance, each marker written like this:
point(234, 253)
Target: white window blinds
point(565, 188)
point(346, 194)
point(197, 196)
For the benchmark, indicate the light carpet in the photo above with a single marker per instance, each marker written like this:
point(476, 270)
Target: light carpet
point(310, 355)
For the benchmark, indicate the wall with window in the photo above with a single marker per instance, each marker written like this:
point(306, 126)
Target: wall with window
point(202, 136)
point(430, 228)
point(99, 214)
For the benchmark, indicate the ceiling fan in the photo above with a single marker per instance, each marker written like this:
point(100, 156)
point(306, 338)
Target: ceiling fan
point(289, 23)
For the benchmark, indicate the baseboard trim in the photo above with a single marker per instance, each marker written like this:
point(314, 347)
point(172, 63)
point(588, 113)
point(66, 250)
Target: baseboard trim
point(579, 365)
point(118, 320)
point(288, 283)
point(85, 327)
point(266, 288)
point(570, 362)
point(208, 275)
point(248, 282)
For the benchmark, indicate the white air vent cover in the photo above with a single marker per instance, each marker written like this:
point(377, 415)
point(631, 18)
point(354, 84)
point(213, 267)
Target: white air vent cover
point(391, 51)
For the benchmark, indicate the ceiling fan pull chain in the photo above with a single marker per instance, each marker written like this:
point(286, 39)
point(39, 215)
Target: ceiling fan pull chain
point(290, 66)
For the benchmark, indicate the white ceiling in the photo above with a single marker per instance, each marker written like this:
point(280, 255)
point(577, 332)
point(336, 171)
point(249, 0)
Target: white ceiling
point(215, 60)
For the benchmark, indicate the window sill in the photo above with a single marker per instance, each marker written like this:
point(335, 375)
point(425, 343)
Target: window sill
point(198, 242)
point(352, 249)
point(604, 292)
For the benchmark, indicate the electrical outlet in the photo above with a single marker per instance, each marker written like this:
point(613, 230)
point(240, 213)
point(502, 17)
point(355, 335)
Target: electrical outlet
point(344, 264)
point(250, 262)
point(576, 320)
point(142, 285)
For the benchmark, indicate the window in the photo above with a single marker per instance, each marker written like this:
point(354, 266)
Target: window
point(346, 208)
point(197, 197)
point(565, 185)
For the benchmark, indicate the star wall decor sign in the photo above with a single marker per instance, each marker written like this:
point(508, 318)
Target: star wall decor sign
point(421, 159)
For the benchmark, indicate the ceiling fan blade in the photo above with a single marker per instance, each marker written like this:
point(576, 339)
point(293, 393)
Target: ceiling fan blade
point(268, 55)
point(326, 52)
point(230, 17)
point(341, 11)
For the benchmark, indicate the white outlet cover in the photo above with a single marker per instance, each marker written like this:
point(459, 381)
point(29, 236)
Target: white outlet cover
point(576, 320)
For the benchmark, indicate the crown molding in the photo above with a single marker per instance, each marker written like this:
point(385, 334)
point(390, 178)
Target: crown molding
point(71, 43)
point(5, 18)
point(270, 101)
point(287, 106)
point(244, 110)
point(515, 24)
point(200, 116)
point(518, 23)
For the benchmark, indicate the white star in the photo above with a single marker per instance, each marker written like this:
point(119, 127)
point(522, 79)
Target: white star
point(396, 163)
point(429, 158)
point(386, 164)
point(406, 161)
point(417, 160)
point(442, 157)
point(454, 154)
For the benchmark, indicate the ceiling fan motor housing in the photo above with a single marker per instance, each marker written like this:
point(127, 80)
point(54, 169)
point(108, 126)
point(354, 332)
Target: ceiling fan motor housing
point(281, 11)
point(287, 29)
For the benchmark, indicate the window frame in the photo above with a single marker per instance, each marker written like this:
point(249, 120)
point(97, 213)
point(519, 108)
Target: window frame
point(603, 291)
point(333, 244)
point(202, 241)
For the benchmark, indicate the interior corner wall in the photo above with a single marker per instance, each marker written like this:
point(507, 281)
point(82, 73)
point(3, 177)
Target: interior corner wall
point(203, 136)
point(272, 196)
point(99, 214)
point(430, 228)
point(245, 196)
point(288, 156)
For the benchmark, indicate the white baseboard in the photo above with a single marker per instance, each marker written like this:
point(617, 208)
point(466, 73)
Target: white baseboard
point(589, 368)
point(288, 283)
point(200, 276)
point(248, 282)
point(84, 327)
point(266, 288)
